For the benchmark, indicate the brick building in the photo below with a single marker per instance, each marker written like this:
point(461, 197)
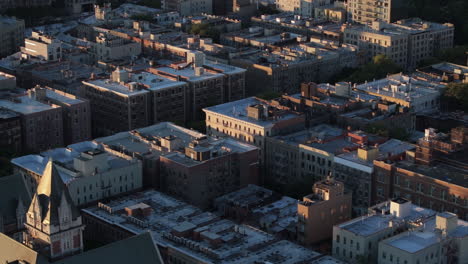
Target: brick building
point(328, 205)
point(433, 176)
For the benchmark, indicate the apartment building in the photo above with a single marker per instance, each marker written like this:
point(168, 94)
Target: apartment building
point(65, 75)
point(251, 120)
point(10, 131)
point(406, 42)
point(205, 86)
point(186, 163)
point(7, 81)
point(301, 7)
point(43, 47)
point(11, 34)
point(315, 100)
point(379, 114)
point(120, 103)
point(285, 68)
point(444, 72)
point(333, 13)
point(41, 124)
point(220, 23)
point(215, 240)
point(76, 112)
point(355, 169)
point(189, 7)
point(441, 240)
point(90, 173)
point(417, 95)
point(108, 47)
point(310, 153)
point(317, 213)
point(238, 205)
point(322, 26)
point(358, 239)
point(261, 208)
point(433, 176)
point(381, 10)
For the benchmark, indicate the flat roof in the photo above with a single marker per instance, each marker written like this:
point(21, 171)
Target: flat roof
point(26, 105)
point(439, 171)
point(252, 194)
point(226, 68)
point(238, 110)
point(391, 146)
point(240, 243)
point(402, 87)
point(107, 85)
point(6, 113)
point(370, 224)
point(64, 158)
point(189, 73)
point(140, 141)
point(62, 97)
point(428, 235)
point(415, 241)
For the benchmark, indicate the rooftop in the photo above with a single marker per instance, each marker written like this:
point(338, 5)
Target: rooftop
point(63, 158)
point(63, 97)
point(401, 27)
point(249, 196)
point(279, 215)
point(238, 110)
point(25, 105)
point(239, 243)
point(147, 142)
point(324, 137)
point(188, 72)
point(439, 171)
point(391, 147)
point(401, 87)
point(381, 219)
point(6, 114)
point(428, 235)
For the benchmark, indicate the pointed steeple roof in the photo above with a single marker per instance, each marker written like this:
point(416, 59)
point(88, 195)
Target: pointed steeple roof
point(49, 194)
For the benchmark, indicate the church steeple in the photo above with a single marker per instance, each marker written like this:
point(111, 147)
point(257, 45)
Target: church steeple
point(53, 222)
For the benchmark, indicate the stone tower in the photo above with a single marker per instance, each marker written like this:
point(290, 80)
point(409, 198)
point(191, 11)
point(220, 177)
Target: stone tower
point(53, 223)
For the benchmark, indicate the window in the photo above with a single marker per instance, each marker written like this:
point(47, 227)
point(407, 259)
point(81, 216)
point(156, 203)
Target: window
point(338, 238)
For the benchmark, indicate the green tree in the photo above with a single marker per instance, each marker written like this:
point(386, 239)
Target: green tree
point(442, 11)
point(206, 31)
point(455, 96)
point(380, 66)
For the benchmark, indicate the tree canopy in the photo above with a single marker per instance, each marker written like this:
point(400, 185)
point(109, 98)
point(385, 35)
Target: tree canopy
point(442, 11)
point(380, 66)
point(205, 30)
point(455, 96)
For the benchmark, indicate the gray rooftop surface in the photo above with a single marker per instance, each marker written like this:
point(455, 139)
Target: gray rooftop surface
point(26, 105)
point(241, 243)
point(372, 224)
point(238, 110)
